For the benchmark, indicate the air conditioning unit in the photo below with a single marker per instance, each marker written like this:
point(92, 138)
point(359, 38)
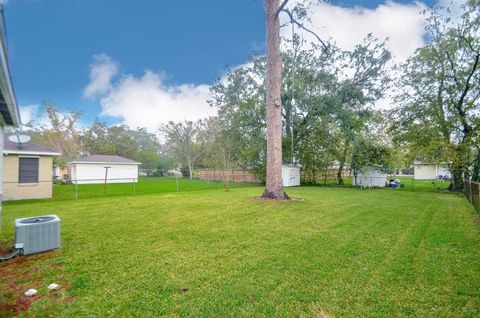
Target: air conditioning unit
point(37, 234)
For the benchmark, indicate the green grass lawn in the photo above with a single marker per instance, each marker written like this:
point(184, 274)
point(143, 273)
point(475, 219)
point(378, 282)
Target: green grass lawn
point(340, 252)
point(145, 185)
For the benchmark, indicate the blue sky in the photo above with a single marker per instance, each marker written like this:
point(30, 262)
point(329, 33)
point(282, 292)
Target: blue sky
point(184, 45)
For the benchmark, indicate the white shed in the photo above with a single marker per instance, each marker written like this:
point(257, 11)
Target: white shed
point(370, 177)
point(429, 171)
point(290, 175)
point(101, 168)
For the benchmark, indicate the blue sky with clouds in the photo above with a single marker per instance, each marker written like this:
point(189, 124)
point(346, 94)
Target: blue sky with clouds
point(147, 61)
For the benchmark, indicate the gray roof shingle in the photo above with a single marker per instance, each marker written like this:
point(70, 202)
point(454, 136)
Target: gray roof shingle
point(10, 146)
point(105, 159)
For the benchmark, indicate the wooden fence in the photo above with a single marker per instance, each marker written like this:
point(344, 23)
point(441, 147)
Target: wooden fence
point(236, 175)
point(472, 192)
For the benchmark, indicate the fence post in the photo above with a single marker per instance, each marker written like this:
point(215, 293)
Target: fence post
point(76, 190)
point(134, 187)
point(470, 194)
point(478, 197)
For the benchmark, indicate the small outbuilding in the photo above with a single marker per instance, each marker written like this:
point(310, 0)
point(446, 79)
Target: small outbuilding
point(103, 168)
point(370, 177)
point(27, 170)
point(290, 175)
point(429, 171)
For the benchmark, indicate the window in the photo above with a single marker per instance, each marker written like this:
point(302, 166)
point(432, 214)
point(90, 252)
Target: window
point(28, 170)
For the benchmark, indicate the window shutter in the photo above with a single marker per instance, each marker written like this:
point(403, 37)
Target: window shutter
point(28, 170)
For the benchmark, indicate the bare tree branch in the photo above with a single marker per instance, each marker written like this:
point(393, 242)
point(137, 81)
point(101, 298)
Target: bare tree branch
point(280, 8)
point(301, 26)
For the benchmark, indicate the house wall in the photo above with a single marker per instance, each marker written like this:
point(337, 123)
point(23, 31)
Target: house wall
point(1, 160)
point(429, 171)
point(1, 173)
point(443, 171)
point(370, 178)
point(88, 173)
point(424, 172)
point(290, 176)
point(12, 190)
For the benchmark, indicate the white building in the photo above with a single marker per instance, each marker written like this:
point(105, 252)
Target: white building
point(290, 175)
point(370, 177)
point(429, 171)
point(103, 168)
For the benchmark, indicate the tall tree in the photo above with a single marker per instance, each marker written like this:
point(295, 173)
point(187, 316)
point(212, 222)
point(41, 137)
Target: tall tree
point(274, 184)
point(362, 81)
point(240, 99)
point(120, 140)
point(220, 147)
point(367, 154)
point(184, 141)
point(438, 117)
point(60, 132)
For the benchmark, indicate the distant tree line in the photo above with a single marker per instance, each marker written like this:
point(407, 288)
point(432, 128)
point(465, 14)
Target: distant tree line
point(63, 132)
point(328, 109)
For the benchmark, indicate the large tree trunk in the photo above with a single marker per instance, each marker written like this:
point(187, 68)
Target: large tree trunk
point(274, 185)
point(457, 177)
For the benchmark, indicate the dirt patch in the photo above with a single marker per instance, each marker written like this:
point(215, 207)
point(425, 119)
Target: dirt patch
point(291, 199)
point(320, 313)
point(19, 274)
point(476, 220)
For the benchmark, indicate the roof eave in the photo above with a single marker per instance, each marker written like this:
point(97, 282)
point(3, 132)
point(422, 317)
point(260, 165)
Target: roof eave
point(6, 86)
point(104, 163)
point(33, 153)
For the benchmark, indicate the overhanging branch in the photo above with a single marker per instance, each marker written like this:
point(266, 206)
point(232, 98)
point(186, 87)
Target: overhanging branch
point(301, 26)
point(280, 8)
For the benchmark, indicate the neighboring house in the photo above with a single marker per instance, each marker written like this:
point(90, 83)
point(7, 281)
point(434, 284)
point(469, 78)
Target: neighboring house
point(9, 115)
point(429, 171)
point(370, 177)
point(27, 171)
point(103, 168)
point(290, 175)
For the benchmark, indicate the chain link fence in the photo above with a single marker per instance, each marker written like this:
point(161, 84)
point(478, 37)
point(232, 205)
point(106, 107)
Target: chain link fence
point(97, 188)
point(472, 193)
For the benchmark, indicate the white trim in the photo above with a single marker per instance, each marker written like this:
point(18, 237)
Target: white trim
point(37, 153)
point(6, 86)
point(103, 162)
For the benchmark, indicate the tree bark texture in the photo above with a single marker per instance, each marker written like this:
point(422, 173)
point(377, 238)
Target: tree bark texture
point(274, 184)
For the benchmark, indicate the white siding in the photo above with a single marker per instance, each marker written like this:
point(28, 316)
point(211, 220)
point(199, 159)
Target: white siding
point(443, 171)
point(95, 173)
point(290, 176)
point(429, 171)
point(2, 133)
point(1, 159)
point(371, 178)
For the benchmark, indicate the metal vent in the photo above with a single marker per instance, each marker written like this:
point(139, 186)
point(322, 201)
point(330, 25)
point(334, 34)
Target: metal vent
point(37, 234)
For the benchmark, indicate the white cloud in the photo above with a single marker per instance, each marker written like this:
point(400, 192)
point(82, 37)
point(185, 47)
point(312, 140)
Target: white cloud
point(28, 113)
point(402, 24)
point(102, 71)
point(147, 101)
